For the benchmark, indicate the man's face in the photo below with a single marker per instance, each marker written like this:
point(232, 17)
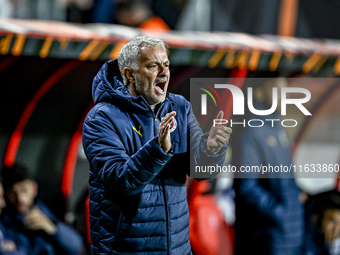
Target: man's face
point(22, 194)
point(330, 224)
point(153, 77)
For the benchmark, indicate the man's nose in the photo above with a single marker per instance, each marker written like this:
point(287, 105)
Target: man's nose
point(163, 71)
point(20, 198)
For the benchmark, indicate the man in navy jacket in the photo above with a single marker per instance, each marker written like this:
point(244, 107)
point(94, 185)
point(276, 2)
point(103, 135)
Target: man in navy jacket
point(269, 215)
point(12, 242)
point(138, 139)
point(46, 234)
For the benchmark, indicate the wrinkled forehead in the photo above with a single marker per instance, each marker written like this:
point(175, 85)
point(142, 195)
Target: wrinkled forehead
point(153, 53)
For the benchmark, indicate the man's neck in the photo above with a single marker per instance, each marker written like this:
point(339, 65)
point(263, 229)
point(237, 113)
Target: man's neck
point(131, 89)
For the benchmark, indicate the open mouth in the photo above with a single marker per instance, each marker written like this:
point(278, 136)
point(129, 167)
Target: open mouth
point(160, 87)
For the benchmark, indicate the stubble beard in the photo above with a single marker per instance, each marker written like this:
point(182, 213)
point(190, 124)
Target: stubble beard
point(141, 89)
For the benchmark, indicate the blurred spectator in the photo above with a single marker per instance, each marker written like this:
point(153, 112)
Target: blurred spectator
point(269, 215)
point(47, 235)
point(33, 9)
point(195, 16)
point(168, 10)
point(79, 11)
point(103, 11)
point(243, 16)
point(11, 241)
point(138, 14)
point(323, 224)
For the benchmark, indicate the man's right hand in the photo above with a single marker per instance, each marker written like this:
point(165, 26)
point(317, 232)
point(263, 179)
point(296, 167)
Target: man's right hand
point(164, 139)
point(37, 220)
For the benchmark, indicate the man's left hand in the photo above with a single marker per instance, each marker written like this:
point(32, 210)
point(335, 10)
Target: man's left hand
point(219, 136)
point(164, 139)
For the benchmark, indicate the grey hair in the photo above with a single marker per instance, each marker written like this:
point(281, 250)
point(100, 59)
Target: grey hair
point(129, 55)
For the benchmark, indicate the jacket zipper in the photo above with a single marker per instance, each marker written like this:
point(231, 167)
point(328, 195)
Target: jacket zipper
point(164, 193)
point(167, 218)
point(155, 130)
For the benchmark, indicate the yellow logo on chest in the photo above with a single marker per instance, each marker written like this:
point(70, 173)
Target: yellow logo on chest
point(138, 131)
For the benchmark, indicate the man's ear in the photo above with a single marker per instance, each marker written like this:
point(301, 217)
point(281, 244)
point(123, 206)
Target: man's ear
point(129, 74)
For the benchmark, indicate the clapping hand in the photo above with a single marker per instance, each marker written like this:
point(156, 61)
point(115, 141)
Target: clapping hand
point(219, 136)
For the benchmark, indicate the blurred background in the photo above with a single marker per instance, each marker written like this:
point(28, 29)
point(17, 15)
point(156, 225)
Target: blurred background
point(50, 50)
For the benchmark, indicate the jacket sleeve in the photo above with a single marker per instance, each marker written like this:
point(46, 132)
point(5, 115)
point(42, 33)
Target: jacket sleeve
point(66, 240)
point(109, 160)
point(247, 152)
point(69, 241)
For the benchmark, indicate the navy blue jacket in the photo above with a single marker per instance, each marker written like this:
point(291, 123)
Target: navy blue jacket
point(137, 192)
point(65, 241)
point(269, 216)
point(9, 233)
